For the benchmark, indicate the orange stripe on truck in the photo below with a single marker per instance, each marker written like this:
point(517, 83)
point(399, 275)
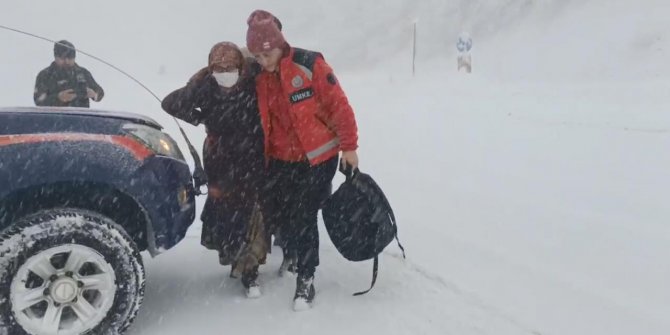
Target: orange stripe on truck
point(138, 150)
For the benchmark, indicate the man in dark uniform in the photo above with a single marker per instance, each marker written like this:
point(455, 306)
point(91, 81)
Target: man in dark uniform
point(64, 83)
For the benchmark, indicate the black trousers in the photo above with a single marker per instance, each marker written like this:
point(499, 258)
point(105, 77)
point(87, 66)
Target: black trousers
point(290, 203)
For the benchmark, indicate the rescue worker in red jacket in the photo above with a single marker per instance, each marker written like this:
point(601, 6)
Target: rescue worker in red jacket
point(307, 122)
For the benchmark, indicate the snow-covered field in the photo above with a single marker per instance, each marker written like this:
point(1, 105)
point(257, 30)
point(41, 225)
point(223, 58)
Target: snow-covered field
point(531, 195)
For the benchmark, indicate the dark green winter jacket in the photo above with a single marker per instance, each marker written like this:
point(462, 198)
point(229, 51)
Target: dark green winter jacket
point(55, 79)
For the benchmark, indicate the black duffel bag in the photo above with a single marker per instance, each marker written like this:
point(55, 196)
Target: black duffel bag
point(359, 220)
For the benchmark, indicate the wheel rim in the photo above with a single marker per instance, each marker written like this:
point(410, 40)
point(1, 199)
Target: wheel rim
point(64, 290)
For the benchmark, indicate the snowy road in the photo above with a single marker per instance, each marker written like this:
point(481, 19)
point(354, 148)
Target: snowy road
point(187, 290)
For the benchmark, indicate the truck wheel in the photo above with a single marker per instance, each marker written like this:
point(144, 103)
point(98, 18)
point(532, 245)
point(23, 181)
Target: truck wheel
point(68, 271)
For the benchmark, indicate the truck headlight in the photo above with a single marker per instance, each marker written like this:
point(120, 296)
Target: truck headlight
point(159, 142)
point(183, 196)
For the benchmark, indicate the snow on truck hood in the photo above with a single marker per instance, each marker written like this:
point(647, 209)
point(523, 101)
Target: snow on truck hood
point(137, 118)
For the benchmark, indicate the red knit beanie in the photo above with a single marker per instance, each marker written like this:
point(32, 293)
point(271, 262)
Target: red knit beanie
point(263, 33)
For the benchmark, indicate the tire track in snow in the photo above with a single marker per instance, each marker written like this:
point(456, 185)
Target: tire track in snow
point(473, 298)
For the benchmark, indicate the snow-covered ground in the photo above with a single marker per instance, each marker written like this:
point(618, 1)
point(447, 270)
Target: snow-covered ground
point(530, 195)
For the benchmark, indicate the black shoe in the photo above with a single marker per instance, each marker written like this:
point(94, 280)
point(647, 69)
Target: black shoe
point(288, 264)
point(251, 285)
point(304, 293)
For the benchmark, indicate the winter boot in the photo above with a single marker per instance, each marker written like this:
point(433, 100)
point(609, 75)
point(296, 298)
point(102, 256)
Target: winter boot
point(289, 263)
point(304, 293)
point(251, 285)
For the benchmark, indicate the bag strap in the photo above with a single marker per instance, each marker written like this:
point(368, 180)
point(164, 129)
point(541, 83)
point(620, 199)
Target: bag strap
point(396, 232)
point(392, 217)
point(348, 171)
point(375, 268)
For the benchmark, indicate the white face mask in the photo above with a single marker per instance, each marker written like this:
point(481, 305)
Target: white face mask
point(226, 79)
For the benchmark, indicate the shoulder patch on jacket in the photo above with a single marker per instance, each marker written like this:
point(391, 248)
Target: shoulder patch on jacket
point(306, 58)
point(331, 79)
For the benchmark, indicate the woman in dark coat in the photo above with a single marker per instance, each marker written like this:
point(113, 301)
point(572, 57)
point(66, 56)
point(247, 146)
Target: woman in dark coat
point(222, 97)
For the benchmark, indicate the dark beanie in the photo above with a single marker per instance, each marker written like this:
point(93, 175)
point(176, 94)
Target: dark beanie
point(263, 33)
point(224, 54)
point(64, 49)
